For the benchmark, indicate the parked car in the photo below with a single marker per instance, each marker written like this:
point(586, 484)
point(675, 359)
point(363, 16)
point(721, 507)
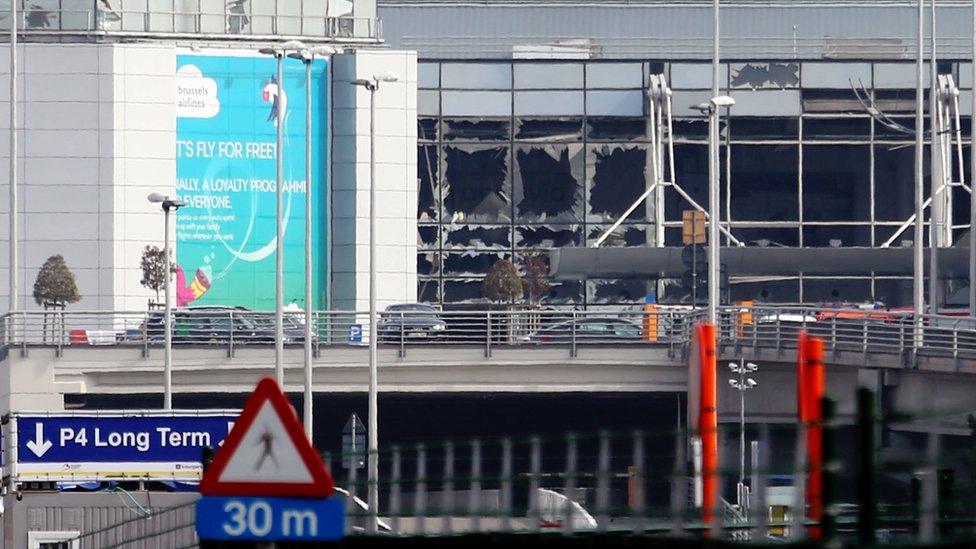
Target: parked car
point(216, 325)
point(587, 330)
point(410, 321)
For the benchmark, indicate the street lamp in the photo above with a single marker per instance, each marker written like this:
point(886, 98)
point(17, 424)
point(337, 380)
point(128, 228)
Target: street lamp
point(168, 204)
point(279, 52)
point(372, 467)
point(307, 56)
point(742, 384)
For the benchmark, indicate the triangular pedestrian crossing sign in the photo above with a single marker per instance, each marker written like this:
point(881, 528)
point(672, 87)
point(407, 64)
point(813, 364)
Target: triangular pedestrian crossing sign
point(267, 453)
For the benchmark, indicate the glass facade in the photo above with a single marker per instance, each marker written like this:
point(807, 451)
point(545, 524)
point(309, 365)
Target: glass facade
point(522, 157)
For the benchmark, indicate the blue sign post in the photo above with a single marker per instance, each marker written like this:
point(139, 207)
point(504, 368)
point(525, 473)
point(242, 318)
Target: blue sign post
point(116, 445)
point(280, 519)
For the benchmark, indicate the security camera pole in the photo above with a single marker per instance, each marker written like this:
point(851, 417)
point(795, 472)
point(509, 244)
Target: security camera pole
point(372, 465)
point(742, 384)
point(168, 204)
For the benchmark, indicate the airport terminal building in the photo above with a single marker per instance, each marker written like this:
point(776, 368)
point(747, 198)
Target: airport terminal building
point(516, 128)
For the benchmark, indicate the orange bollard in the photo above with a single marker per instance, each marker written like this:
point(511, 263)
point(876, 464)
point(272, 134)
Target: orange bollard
point(650, 321)
point(814, 387)
point(708, 419)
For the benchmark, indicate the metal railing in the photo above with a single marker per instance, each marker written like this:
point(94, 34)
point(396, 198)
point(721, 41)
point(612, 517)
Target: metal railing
point(842, 330)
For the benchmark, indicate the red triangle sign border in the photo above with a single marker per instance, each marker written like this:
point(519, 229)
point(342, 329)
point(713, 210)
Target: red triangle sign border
point(268, 390)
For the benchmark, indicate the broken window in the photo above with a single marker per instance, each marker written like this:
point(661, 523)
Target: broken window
point(564, 292)
point(476, 188)
point(616, 180)
point(427, 236)
point(690, 129)
point(831, 101)
point(428, 263)
point(616, 128)
point(427, 195)
point(624, 290)
point(768, 237)
point(836, 183)
point(764, 75)
point(477, 236)
point(548, 183)
point(427, 129)
point(463, 291)
point(836, 290)
point(470, 262)
point(764, 183)
point(549, 129)
point(837, 129)
point(428, 290)
point(822, 236)
point(548, 236)
point(691, 169)
point(894, 181)
point(893, 290)
point(624, 235)
point(780, 128)
point(476, 130)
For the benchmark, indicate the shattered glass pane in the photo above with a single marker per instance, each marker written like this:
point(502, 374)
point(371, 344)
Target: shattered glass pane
point(476, 186)
point(820, 236)
point(616, 180)
point(765, 180)
point(428, 290)
point(470, 262)
point(625, 290)
point(476, 130)
point(427, 236)
point(428, 263)
point(836, 183)
point(769, 237)
point(750, 129)
point(691, 129)
point(616, 129)
point(427, 129)
point(844, 129)
point(564, 292)
point(831, 101)
point(691, 169)
point(477, 236)
point(624, 235)
point(549, 129)
point(427, 195)
point(764, 75)
point(463, 291)
point(548, 183)
point(547, 236)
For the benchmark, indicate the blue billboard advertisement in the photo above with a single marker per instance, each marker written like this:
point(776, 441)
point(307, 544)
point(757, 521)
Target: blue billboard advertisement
point(226, 172)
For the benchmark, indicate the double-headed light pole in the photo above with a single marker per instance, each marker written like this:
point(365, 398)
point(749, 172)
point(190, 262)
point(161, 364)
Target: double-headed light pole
point(168, 204)
point(372, 465)
point(307, 56)
point(742, 383)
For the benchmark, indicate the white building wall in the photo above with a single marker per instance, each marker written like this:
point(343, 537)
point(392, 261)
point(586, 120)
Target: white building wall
point(396, 180)
point(99, 134)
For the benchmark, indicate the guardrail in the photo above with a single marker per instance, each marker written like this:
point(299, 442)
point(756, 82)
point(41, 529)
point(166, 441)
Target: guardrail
point(865, 331)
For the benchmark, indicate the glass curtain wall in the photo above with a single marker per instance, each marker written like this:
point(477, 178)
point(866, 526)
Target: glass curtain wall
point(516, 159)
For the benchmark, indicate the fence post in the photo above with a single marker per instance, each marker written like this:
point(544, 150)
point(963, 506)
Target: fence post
point(230, 338)
point(316, 337)
point(59, 316)
point(488, 336)
point(867, 504)
point(145, 335)
point(403, 351)
point(572, 349)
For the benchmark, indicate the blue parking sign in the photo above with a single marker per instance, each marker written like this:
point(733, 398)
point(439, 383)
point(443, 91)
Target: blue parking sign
point(355, 333)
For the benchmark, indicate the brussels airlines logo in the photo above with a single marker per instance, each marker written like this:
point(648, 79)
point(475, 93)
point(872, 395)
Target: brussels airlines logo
point(275, 94)
point(196, 94)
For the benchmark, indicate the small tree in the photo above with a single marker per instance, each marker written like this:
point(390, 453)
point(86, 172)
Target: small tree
point(536, 277)
point(153, 269)
point(55, 285)
point(502, 282)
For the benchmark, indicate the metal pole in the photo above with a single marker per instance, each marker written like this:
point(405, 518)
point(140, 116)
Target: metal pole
point(308, 245)
point(327, 191)
point(279, 242)
point(742, 423)
point(167, 320)
point(714, 215)
point(918, 285)
point(373, 472)
point(972, 183)
point(936, 210)
point(14, 237)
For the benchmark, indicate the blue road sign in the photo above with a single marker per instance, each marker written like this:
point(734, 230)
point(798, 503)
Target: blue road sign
point(117, 445)
point(355, 333)
point(270, 519)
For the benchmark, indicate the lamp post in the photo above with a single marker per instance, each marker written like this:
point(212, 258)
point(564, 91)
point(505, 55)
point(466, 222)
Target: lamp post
point(168, 204)
point(742, 384)
point(307, 56)
point(279, 52)
point(372, 466)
